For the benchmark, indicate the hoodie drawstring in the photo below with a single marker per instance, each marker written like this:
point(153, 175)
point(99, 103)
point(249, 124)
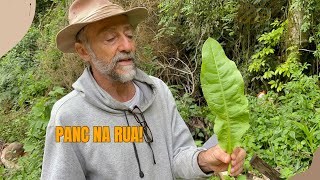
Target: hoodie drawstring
point(135, 151)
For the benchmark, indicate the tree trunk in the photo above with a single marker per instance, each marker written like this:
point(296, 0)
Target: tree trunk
point(296, 38)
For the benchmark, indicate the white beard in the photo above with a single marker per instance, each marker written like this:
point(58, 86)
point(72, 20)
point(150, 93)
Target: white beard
point(109, 70)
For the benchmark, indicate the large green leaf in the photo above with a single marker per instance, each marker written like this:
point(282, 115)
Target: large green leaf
point(223, 89)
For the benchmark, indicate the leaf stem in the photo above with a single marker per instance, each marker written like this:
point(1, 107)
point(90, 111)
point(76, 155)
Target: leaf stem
point(229, 169)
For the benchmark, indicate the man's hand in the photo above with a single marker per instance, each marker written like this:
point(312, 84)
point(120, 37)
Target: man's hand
point(215, 159)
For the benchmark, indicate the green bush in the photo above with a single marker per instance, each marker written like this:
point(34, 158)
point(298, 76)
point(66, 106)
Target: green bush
point(27, 93)
point(13, 67)
point(285, 128)
point(36, 121)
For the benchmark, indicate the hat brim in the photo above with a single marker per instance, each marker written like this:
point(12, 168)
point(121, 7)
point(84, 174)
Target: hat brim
point(66, 38)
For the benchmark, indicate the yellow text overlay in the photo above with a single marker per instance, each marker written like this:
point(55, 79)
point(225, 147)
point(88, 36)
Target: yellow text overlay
point(101, 134)
point(128, 134)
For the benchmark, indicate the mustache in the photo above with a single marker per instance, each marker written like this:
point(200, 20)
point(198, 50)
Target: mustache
point(122, 55)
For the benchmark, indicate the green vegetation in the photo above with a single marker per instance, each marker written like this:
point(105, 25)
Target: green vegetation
point(274, 43)
point(285, 128)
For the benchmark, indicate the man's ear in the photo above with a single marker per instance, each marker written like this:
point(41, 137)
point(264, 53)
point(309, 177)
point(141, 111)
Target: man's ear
point(82, 51)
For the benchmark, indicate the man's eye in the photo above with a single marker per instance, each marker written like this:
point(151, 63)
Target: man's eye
point(110, 39)
point(130, 35)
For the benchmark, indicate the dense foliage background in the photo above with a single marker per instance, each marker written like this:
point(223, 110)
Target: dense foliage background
point(275, 44)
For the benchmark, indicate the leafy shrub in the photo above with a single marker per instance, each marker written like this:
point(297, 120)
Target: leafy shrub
point(26, 88)
point(14, 65)
point(36, 121)
point(285, 128)
point(195, 115)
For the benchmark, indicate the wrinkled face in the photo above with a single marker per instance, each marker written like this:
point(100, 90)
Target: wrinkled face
point(112, 48)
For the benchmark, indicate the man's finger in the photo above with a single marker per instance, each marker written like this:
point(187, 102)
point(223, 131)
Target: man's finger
point(237, 172)
point(241, 155)
point(236, 150)
point(237, 166)
point(233, 162)
point(238, 154)
point(220, 155)
point(235, 153)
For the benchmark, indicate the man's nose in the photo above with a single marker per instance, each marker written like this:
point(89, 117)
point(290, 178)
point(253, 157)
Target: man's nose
point(126, 44)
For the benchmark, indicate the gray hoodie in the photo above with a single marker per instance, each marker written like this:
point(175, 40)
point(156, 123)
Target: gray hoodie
point(175, 153)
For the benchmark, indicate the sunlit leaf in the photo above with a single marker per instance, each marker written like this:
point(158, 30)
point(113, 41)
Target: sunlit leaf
point(223, 89)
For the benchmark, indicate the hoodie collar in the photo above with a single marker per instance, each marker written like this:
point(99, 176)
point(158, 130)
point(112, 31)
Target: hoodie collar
point(95, 95)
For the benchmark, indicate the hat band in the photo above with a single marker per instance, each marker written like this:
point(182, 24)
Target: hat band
point(102, 12)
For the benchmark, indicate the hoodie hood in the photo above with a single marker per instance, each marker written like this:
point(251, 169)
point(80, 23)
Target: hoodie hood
point(87, 86)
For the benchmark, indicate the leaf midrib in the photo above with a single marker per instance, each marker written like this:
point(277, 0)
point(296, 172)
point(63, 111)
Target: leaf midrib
point(224, 102)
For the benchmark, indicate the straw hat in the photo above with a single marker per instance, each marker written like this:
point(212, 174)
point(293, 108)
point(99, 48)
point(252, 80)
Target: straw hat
point(84, 12)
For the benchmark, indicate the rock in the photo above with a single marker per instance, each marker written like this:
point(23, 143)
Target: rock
point(10, 155)
point(2, 146)
point(261, 94)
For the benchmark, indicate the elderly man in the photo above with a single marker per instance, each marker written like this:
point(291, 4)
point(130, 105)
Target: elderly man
point(114, 93)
